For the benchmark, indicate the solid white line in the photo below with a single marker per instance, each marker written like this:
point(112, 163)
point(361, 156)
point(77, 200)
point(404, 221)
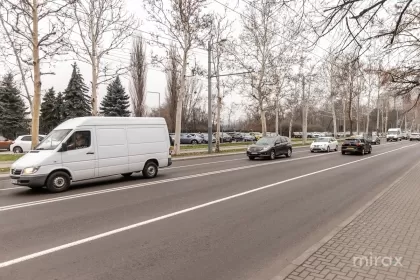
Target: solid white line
point(115, 231)
point(44, 201)
point(13, 188)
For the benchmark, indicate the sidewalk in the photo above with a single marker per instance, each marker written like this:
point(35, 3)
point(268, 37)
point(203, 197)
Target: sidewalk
point(382, 241)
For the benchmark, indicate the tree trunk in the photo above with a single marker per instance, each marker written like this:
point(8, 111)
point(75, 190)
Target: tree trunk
point(262, 114)
point(277, 118)
point(386, 115)
point(291, 123)
point(334, 116)
point(37, 76)
point(344, 117)
point(218, 109)
point(382, 116)
point(304, 116)
point(179, 105)
point(357, 114)
point(94, 58)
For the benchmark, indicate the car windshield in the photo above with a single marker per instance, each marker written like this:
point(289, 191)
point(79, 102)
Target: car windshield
point(392, 132)
point(266, 141)
point(53, 139)
point(322, 140)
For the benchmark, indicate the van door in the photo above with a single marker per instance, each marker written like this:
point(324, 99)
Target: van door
point(80, 155)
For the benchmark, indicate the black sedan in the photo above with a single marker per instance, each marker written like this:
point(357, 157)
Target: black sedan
point(270, 147)
point(356, 145)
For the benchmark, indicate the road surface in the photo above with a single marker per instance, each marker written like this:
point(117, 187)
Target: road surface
point(215, 218)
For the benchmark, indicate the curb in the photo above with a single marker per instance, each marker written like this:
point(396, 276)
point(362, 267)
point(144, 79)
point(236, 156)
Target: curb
point(285, 272)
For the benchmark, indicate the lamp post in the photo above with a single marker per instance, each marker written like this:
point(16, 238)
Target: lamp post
point(158, 93)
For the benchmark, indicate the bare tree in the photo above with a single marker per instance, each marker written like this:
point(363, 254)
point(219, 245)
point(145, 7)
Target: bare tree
point(138, 76)
point(102, 26)
point(221, 29)
point(31, 48)
point(184, 22)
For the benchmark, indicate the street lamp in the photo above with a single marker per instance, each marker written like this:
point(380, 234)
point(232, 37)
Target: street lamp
point(159, 98)
point(209, 76)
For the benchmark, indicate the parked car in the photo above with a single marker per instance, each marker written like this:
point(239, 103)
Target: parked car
point(248, 137)
point(205, 137)
point(270, 147)
point(257, 135)
point(324, 144)
point(415, 136)
point(224, 137)
point(23, 143)
point(91, 147)
point(356, 145)
point(187, 138)
point(237, 136)
point(5, 143)
point(375, 140)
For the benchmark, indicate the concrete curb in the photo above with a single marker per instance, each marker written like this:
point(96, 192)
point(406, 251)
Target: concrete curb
point(285, 272)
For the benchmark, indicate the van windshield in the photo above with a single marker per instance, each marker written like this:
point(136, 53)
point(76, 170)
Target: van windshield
point(53, 139)
point(392, 132)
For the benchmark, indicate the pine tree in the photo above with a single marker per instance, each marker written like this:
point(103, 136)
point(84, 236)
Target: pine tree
point(76, 101)
point(116, 102)
point(48, 119)
point(59, 108)
point(12, 109)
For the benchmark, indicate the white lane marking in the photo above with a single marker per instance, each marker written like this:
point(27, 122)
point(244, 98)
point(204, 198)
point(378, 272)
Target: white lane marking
point(50, 200)
point(213, 162)
point(126, 228)
point(13, 188)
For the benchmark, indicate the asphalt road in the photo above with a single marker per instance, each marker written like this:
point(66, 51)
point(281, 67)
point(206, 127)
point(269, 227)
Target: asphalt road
point(216, 218)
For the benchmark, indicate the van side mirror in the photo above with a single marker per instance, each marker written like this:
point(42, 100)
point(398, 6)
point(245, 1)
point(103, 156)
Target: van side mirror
point(64, 147)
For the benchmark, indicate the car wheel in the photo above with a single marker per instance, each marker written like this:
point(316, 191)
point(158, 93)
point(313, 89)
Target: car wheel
point(312, 151)
point(127, 175)
point(194, 142)
point(58, 182)
point(251, 158)
point(343, 153)
point(362, 152)
point(336, 148)
point(289, 153)
point(150, 170)
point(17, 150)
point(411, 139)
point(272, 155)
point(328, 149)
point(370, 150)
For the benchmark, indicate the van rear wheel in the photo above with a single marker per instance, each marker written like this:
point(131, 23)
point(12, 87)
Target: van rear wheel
point(150, 170)
point(58, 182)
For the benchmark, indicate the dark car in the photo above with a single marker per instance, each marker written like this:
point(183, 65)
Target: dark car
point(270, 147)
point(356, 145)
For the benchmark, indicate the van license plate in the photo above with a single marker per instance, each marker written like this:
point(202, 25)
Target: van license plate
point(14, 181)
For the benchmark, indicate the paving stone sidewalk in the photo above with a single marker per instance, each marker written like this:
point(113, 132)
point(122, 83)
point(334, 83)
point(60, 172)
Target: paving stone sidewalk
point(386, 233)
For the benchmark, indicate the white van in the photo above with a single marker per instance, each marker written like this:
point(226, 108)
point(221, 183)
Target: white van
point(394, 134)
point(92, 147)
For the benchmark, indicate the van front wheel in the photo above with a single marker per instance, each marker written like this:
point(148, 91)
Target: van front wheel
point(58, 182)
point(150, 170)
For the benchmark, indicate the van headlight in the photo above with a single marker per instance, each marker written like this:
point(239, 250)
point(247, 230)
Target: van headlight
point(30, 170)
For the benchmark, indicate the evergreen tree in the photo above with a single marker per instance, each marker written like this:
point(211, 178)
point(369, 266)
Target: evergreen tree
point(76, 101)
point(116, 102)
point(12, 109)
point(48, 119)
point(59, 108)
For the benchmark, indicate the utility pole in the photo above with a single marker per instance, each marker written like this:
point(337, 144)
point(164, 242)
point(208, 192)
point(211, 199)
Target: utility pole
point(304, 118)
point(37, 76)
point(209, 125)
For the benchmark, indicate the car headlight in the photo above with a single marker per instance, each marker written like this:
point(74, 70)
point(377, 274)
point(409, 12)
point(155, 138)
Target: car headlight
point(30, 170)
